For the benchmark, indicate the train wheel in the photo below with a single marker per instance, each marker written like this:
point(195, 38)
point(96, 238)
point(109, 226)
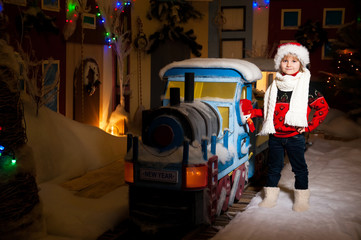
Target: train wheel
point(241, 182)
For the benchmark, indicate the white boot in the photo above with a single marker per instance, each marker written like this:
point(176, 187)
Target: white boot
point(302, 198)
point(271, 196)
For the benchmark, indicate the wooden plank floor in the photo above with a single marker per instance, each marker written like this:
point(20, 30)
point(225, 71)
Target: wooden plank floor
point(208, 231)
point(124, 231)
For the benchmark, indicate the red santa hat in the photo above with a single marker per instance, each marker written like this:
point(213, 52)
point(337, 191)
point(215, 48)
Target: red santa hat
point(293, 48)
point(246, 106)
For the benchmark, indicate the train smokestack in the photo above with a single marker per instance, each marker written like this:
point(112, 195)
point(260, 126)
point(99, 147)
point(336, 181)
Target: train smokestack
point(174, 97)
point(189, 87)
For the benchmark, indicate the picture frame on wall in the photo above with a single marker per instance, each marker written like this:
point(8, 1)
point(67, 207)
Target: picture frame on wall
point(89, 21)
point(16, 2)
point(333, 17)
point(50, 5)
point(290, 18)
point(234, 18)
point(51, 73)
point(233, 48)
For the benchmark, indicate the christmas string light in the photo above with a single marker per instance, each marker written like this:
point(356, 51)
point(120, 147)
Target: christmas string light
point(7, 160)
point(119, 7)
point(346, 67)
point(259, 6)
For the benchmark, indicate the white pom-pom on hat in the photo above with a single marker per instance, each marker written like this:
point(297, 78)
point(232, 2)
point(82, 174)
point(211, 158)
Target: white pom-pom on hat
point(292, 48)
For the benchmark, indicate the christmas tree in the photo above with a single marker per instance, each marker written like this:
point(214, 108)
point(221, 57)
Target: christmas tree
point(344, 82)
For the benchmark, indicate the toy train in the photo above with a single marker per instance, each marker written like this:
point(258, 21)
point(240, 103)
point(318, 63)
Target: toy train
point(196, 155)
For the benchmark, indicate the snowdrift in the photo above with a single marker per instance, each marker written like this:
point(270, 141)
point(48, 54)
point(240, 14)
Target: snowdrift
point(63, 150)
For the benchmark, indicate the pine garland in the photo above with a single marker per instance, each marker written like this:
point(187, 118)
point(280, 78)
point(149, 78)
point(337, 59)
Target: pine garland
point(18, 197)
point(18, 188)
point(172, 14)
point(12, 134)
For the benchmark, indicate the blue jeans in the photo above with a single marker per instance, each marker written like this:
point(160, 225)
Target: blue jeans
point(295, 148)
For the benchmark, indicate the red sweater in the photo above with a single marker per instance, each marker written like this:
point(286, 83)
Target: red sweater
point(315, 101)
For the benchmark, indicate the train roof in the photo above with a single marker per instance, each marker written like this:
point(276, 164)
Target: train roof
point(236, 67)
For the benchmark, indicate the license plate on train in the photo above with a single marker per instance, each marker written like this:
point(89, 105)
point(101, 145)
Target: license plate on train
point(158, 175)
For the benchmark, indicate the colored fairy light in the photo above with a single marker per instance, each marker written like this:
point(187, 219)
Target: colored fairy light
point(71, 7)
point(2, 148)
point(117, 8)
point(259, 6)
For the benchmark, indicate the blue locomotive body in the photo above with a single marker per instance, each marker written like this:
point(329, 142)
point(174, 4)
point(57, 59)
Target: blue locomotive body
point(195, 151)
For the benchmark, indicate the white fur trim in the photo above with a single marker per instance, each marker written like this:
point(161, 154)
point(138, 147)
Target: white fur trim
point(302, 199)
point(300, 51)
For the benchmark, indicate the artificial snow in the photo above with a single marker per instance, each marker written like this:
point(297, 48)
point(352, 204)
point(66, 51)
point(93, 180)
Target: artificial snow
point(249, 70)
point(335, 206)
point(64, 149)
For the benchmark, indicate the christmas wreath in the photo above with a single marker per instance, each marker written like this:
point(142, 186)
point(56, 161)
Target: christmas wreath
point(90, 75)
point(311, 35)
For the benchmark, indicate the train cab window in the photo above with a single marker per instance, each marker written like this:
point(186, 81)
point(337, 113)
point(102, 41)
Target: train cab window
point(224, 111)
point(244, 92)
point(206, 89)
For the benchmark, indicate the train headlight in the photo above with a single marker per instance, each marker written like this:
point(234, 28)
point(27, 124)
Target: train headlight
point(196, 176)
point(128, 172)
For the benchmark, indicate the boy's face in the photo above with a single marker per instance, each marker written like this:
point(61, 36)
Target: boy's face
point(290, 65)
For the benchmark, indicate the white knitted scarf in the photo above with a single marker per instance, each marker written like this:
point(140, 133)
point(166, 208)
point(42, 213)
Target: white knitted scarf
point(297, 113)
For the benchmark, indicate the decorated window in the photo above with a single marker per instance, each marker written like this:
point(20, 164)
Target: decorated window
point(327, 50)
point(50, 89)
point(234, 18)
point(333, 17)
point(291, 18)
point(233, 48)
